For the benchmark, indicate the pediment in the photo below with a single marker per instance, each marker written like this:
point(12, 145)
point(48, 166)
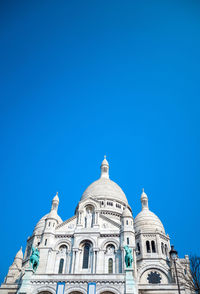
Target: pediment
point(67, 226)
point(108, 223)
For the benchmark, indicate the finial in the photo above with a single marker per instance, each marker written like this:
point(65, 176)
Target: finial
point(105, 168)
point(144, 200)
point(57, 193)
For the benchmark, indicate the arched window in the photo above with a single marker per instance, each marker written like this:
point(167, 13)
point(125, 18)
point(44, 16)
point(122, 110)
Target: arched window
point(127, 241)
point(110, 265)
point(162, 247)
point(63, 249)
point(61, 266)
point(153, 247)
point(138, 248)
point(166, 249)
point(86, 252)
point(127, 222)
point(148, 247)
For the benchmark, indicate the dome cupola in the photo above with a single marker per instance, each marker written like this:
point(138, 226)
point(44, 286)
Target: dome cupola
point(105, 168)
point(104, 187)
point(146, 220)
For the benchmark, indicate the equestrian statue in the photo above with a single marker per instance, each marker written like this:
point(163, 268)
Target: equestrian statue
point(34, 258)
point(128, 256)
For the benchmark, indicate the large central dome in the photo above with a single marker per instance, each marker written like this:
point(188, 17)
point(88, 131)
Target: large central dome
point(104, 187)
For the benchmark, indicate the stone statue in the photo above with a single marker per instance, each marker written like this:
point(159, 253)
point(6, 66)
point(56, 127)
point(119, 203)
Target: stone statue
point(88, 219)
point(128, 256)
point(34, 258)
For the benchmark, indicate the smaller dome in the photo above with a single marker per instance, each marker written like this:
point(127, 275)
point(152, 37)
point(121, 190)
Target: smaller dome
point(39, 228)
point(19, 254)
point(147, 221)
point(126, 213)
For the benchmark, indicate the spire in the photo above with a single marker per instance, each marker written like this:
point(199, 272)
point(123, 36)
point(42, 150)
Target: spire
point(55, 203)
point(144, 200)
point(19, 254)
point(105, 168)
point(18, 259)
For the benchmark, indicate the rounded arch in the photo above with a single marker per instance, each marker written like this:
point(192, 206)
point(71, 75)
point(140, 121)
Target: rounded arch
point(45, 290)
point(89, 201)
point(110, 241)
point(108, 290)
point(75, 290)
point(153, 267)
point(83, 239)
point(63, 242)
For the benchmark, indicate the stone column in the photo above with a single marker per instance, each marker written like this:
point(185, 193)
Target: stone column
point(123, 259)
point(100, 261)
point(75, 251)
point(130, 284)
point(135, 263)
point(77, 260)
point(142, 248)
point(158, 245)
point(94, 262)
point(26, 286)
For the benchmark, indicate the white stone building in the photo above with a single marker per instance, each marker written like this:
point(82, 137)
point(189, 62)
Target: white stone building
point(87, 249)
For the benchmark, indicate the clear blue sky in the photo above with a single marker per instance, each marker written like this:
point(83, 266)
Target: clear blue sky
point(80, 79)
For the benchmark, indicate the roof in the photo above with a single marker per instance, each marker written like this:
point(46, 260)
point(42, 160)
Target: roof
point(147, 221)
point(104, 188)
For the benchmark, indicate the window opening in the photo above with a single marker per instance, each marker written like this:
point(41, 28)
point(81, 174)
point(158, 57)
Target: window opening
point(110, 266)
point(61, 266)
point(86, 255)
point(148, 247)
point(153, 246)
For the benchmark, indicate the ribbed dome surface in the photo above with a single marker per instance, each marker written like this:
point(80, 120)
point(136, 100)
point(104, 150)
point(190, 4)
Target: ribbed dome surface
point(105, 188)
point(147, 221)
point(41, 224)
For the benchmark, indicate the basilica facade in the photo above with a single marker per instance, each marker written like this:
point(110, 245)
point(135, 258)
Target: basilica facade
point(85, 254)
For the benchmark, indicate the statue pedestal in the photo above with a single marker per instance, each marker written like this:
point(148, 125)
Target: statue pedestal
point(131, 286)
point(25, 287)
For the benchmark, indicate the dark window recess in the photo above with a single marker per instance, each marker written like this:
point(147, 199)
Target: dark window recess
point(127, 241)
point(148, 247)
point(153, 247)
point(127, 222)
point(86, 255)
point(110, 266)
point(154, 278)
point(162, 247)
point(110, 203)
point(138, 248)
point(49, 224)
point(45, 243)
point(166, 249)
point(61, 266)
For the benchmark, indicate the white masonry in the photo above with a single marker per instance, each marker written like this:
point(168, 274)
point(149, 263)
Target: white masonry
point(85, 253)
